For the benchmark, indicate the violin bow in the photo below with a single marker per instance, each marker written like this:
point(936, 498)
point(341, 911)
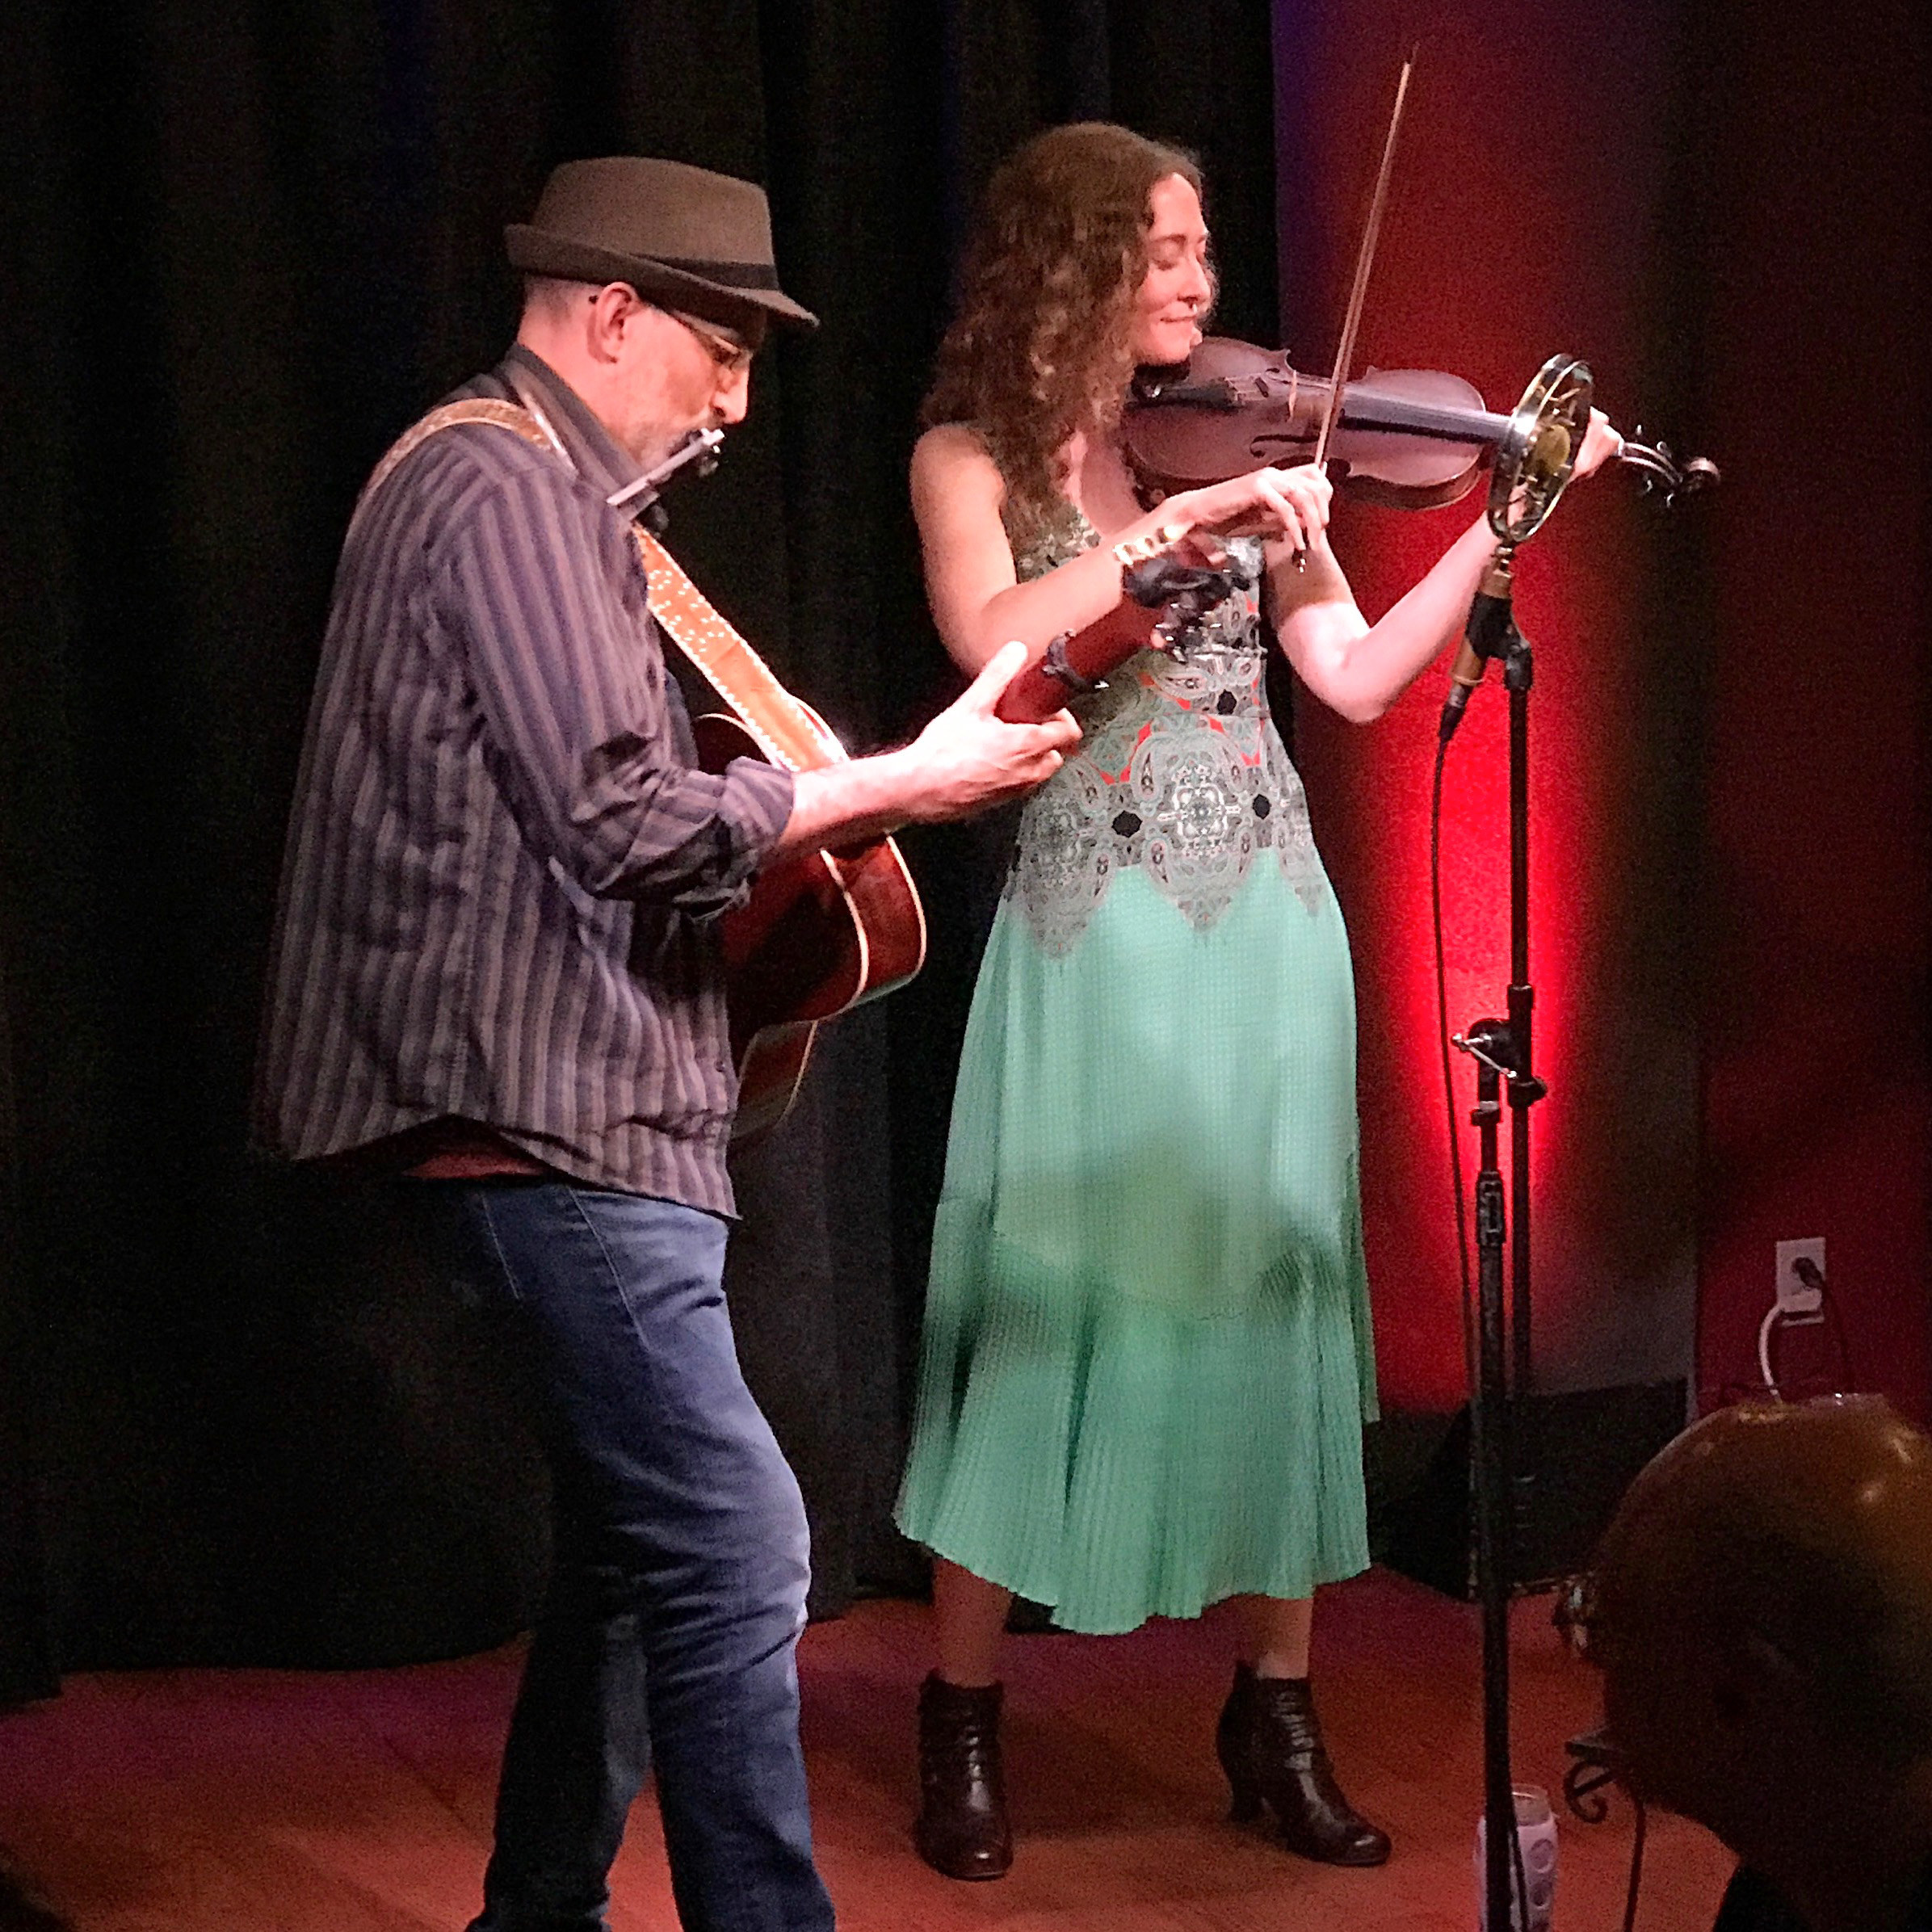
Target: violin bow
point(1365, 259)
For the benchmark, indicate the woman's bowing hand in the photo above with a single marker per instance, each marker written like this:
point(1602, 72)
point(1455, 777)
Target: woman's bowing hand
point(1283, 505)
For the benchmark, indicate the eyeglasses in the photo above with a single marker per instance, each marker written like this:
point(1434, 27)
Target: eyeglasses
point(732, 356)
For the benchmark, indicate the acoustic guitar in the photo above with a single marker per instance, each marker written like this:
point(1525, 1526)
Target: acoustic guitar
point(1161, 596)
point(823, 931)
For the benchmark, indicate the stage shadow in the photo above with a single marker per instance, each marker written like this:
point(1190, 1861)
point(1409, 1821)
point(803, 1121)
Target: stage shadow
point(21, 1911)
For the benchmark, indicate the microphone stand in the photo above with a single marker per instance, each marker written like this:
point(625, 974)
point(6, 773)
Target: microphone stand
point(1534, 463)
point(1501, 1489)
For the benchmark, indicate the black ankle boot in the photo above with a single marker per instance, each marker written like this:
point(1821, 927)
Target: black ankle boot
point(962, 1830)
point(1270, 1745)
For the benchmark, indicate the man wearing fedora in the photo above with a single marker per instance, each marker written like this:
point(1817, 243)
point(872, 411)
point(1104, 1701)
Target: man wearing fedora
point(496, 968)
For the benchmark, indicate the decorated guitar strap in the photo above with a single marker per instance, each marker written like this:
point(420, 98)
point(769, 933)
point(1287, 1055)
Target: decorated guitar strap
point(786, 730)
point(478, 409)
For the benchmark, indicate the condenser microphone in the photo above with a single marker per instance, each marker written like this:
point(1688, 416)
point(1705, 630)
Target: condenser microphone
point(1485, 636)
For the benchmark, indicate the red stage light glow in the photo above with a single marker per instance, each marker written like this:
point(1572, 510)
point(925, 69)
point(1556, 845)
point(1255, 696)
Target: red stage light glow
point(1731, 905)
point(1496, 252)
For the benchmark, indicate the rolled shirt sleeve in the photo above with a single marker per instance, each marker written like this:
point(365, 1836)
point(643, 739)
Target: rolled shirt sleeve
point(540, 590)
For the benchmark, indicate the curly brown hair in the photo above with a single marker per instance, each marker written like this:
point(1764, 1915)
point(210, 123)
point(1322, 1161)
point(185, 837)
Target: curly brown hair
point(1042, 343)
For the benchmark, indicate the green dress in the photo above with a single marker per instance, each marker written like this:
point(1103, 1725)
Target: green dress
point(1147, 1356)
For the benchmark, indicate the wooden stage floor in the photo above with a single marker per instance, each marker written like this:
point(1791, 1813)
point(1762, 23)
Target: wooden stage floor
point(276, 1801)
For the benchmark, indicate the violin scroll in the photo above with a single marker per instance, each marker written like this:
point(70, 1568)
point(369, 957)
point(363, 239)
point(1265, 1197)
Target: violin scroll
point(1660, 472)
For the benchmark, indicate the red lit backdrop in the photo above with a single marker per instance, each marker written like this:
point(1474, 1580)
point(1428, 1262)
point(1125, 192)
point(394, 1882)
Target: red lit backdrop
point(1726, 871)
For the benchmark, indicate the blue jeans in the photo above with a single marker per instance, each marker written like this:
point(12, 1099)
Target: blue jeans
point(679, 1588)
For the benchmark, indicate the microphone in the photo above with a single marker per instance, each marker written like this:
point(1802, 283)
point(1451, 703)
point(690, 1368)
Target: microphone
point(1485, 636)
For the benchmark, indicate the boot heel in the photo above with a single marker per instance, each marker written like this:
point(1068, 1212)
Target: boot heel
point(1231, 1750)
point(1245, 1806)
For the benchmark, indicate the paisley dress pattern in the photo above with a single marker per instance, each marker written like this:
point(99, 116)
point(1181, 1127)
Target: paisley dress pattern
point(1178, 771)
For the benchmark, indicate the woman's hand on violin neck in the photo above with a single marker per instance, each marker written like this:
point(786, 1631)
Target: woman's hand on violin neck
point(1282, 505)
point(1600, 444)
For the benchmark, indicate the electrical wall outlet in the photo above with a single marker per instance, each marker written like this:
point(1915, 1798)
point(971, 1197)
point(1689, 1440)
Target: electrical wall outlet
point(1794, 1296)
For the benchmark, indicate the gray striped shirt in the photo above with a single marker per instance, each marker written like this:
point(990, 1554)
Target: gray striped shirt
point(504, 871)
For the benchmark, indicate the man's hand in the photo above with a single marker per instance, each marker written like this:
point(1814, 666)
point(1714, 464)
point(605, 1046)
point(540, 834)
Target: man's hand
point(965, 760)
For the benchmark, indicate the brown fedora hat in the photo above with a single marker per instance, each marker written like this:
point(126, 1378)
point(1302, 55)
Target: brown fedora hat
point(680, 236)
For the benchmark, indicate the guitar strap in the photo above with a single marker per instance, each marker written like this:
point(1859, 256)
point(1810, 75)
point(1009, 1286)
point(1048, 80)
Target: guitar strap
point(478, 409)
point(786, 730)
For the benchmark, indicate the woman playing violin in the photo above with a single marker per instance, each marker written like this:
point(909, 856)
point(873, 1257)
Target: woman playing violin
point(1147, 1356)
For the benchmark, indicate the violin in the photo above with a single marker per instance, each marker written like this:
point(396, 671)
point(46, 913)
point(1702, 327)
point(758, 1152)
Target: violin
point(1410, 439)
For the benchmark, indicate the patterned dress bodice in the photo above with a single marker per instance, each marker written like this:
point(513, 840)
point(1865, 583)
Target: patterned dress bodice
point(1180, 772)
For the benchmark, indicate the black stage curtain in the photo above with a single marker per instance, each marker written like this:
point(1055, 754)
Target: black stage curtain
point(240, 1417)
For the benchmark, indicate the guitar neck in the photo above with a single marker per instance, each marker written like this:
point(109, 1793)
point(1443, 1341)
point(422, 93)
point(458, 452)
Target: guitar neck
point(1036, 693)
point(785, 728)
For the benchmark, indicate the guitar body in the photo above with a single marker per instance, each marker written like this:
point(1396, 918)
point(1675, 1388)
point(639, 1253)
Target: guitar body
point(771, 1065)
point(823, 932)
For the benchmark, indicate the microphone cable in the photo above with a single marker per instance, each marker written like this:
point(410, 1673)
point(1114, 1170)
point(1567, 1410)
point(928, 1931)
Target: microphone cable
point(1470, 1364)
